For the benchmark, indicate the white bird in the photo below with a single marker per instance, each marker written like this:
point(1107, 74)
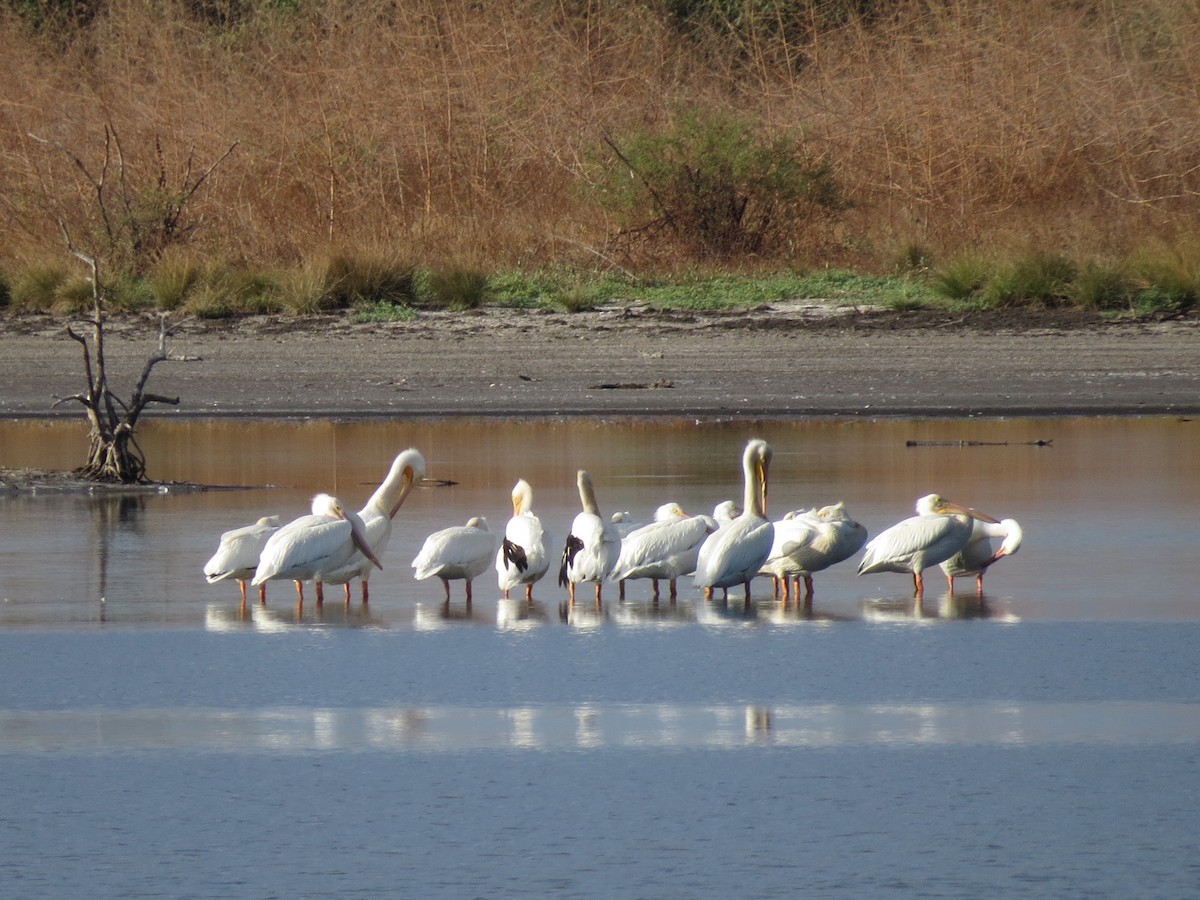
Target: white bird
point(238, 552)
point(810, 541)
point(734, 553)
point(939, 530)
point(667, 548)
point(307, 547)
point(460, 552)
point(592, 547)
point(524, 554)
point(725, 512)
point(981, 552)
point(406, 470)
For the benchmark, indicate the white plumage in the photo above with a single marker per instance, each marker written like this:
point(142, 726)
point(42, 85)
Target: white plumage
point(939, 530)
point(524, 554)
point(406, 470)
point(667, 548)
point(810, 541)
point(981, 551)
point(457, 553)
point(237, 554)
point(735, 552)
point(307, 547)
point(592, 547)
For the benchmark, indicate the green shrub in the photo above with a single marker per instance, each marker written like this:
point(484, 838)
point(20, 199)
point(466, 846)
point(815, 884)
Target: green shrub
point(1169, 275)
point(1040, 278)
point(962, 279)
point(1102, 288)
point(717, 184)
point(171, 279)
point(455, 288)
point(349, 280)
point(36, 288)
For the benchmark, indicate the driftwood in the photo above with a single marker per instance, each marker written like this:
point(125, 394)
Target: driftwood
point(1037, 443)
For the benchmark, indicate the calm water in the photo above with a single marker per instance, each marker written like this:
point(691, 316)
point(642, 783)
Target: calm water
point(1042, 741)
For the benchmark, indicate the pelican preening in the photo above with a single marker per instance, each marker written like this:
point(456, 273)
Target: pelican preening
point(593, 545)
point(981, 551)
point(307, 547)
point(238, 553)
point(666, 549)
point(460, 552)
point(808, 541)
point(524, 554)
point(407, 469)
point(734, 553)
point(938, 531)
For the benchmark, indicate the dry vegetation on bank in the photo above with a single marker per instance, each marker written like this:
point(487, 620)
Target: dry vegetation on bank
point(484, 136)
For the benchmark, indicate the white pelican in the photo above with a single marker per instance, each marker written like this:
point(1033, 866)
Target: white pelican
point(809, 541)
point(524, 554)
point(939, 530)
point(725, 512)
point(593, 545)
point(460, 552)
point(980, 552)
point(307, 547)
point(666, 548)
point(406, 470)
point(238, 552)
point(735, 552)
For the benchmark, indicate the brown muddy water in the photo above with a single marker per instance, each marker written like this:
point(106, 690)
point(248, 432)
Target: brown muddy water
point(1043, 740)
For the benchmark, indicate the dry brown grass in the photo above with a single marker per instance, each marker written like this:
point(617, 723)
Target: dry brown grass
point(453, 131)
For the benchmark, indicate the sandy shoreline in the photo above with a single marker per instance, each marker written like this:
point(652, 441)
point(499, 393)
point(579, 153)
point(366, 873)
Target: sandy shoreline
point(786, 360)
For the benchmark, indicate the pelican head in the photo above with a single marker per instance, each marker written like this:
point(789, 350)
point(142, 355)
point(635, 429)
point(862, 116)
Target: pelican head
point(936, 505)
point(407, 469)
point(669, 512)
point(756, 461)
point(1012, 540)
point(328, 505)
point(522, 497)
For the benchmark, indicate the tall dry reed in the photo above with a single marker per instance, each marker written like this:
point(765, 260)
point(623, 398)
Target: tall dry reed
point(453, 132)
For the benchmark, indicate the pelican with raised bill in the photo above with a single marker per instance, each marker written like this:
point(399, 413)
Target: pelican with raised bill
point(981, 551)
point(524, 553)
point(457, 553)
point(735, 552)
point(238, 552)
point(592, 547)
point(938, 531)
point(308, 547)
point(406, 471)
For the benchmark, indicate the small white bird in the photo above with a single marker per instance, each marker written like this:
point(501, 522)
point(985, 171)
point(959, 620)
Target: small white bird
point(238, 552)
point(524, 554)
point(735, 552)
point(810, 541)
point(981, 552)
point(592, 547)
point(667, 548)
point(939, 530)
point(307, 547)
point(460, 552)
point(407, 469)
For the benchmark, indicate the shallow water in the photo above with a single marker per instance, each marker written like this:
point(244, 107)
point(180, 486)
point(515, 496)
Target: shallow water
point(1042, 740)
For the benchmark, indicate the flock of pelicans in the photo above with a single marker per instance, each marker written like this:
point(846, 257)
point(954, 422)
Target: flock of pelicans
point(334, 545)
